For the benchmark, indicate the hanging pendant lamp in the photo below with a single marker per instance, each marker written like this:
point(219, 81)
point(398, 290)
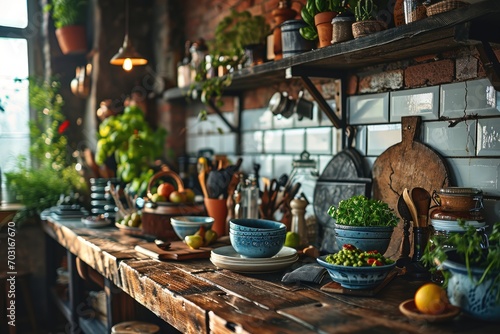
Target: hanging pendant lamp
point(127, 57)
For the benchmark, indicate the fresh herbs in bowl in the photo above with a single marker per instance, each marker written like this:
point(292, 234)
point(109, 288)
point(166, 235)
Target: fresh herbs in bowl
point(472, 249)
point(362, 211)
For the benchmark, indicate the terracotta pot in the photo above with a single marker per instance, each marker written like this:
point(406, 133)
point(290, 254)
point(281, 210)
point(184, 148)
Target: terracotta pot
point(323, 22)
point(364, 28)
point(458, 199)
point(72, 39)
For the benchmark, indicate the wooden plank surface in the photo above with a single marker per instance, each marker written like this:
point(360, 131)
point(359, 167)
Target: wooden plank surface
point(196, 297)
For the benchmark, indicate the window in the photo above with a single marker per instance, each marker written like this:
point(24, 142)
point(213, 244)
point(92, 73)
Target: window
point(14, 65)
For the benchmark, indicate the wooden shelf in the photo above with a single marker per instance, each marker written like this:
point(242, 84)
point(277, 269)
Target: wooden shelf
point(461, 27)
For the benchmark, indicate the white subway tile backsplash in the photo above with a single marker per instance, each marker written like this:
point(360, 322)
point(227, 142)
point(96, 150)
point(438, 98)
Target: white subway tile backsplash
point(360, 140)
point(266, 165)
point(228, 143)
point(478, 173)
point(381, 137)
point(457, 141)
point(273, 141)
point(366, 109)
point(282, 164)
point(423, 102)
point(473, 97)
point(256, 119)
point(488, 139)
point(294, 140)
point(319, 140)
point(251, 142)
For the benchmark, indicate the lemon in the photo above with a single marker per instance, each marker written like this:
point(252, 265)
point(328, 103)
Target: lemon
point(430, 298)
point(292, 239)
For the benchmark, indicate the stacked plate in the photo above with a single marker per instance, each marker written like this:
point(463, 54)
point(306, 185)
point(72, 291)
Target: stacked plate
point(227, 258)
point(453, 226)
point(101, 201)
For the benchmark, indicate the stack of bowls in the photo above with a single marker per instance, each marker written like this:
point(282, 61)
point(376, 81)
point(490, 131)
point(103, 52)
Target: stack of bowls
point(257, 238)
point(189, 225)
point(101, 201)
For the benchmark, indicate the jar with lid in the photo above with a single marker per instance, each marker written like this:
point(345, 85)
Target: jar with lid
point(305, 172)
point(458, 203)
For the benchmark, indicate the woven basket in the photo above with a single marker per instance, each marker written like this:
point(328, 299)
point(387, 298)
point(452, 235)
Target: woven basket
point(444, 6)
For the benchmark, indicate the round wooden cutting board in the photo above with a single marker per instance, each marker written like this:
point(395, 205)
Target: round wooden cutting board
point(408, 164)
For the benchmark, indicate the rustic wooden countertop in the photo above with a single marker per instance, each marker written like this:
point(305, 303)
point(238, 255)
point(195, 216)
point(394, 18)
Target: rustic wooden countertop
point(196, 297)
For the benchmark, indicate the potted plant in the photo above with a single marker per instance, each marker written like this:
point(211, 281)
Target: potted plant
point(69, 18)
point(40, 181)
point(469, 262)
point(366, 23)
point(365, 223)
point(318, 15)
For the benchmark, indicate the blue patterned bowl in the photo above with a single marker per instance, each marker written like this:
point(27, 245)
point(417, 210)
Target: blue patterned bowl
point(189, 225)
point(356, 278)
point(364, 237)
point(255, 225)
point(478, 301)
point(257, 244)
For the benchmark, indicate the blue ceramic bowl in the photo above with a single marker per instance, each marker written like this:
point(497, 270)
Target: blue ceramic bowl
point(258, 233)
point(255, 225)
point(356, 278)
point(379, 245)
point(363, 237)
point(189, 225)
point(477, 301)
point(258, 245)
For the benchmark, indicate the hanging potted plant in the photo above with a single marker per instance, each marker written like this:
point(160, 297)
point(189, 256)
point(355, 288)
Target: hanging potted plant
point(365, 223)
point(470, 265)
point(366, 21)
point(69, 18)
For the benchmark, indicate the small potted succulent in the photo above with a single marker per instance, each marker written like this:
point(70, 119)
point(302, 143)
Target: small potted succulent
point(469, 262)
point(69, 18)
point(318, 15)
point(365, 223)
point(366, 23)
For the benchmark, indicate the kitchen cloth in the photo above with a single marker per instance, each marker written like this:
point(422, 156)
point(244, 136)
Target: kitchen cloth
point(311, 273)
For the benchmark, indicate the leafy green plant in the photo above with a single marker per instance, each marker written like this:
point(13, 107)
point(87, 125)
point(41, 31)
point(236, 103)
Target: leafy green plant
point(39, 182)
point(362, 211)
point(67, 12)
point(134, 145)
point(235, 31)
point(470, 246)
point(314, 7)
point(365, 10)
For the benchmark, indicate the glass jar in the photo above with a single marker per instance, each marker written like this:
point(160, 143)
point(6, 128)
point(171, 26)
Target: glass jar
point(305, 172)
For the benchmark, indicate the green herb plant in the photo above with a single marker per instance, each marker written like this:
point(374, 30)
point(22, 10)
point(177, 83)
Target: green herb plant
point(67, 12)
point(470, 247)
point(362, 211)
point(39, 181)
point(134, 145)
point(365, 10)
point(314, 7)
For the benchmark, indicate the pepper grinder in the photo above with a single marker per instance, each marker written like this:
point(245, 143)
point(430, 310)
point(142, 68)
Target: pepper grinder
point(298, 220)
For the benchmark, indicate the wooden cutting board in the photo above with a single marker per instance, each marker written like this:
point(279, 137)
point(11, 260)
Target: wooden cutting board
point(408, 164)
point(178, 250)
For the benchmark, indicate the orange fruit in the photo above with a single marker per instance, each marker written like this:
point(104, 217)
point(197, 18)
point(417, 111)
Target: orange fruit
point(430, 298)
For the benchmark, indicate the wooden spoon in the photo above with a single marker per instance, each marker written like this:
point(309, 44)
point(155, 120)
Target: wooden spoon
point(411, 207)
point(422, 200)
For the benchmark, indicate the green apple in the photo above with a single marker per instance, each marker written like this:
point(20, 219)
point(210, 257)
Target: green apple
point(292, 239)
point(194, 241)
point(210, 237)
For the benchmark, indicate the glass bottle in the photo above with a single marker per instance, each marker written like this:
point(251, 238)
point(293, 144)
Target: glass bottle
point(253, 197)
point(239, 196)
point(304, 171)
